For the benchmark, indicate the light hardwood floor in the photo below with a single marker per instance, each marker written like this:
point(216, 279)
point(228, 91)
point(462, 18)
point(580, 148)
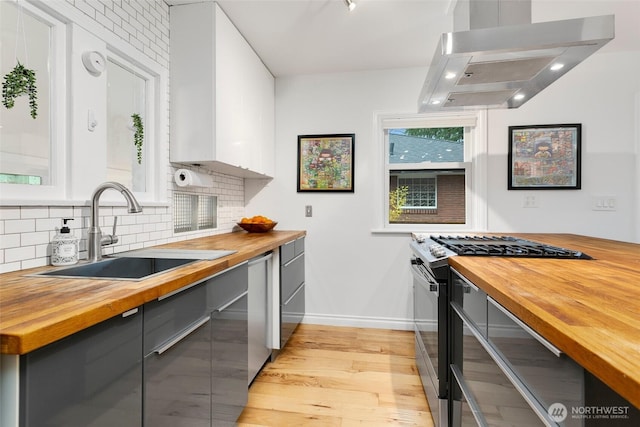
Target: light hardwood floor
point(338, 376)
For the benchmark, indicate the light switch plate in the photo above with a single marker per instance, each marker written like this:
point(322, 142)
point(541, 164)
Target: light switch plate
point(603, 203)
point(308, 211)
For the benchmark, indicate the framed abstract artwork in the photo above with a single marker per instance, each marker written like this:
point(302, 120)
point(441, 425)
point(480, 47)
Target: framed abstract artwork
point(325, 163)
point(544, 157)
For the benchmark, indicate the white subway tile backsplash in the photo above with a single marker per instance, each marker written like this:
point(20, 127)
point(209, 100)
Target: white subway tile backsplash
point(19, 254)
point(10, 241)
point(20, 226)
point(28, 239)
point(9, 213)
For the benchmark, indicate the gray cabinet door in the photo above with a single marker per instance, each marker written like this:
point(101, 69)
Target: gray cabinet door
point(177, 364)
point(92, 378)
point(178, 380)
point(292, 288)
point(229, 343)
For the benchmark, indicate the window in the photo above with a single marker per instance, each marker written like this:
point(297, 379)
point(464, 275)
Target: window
point(429, 175)
point(126, 96)
point(32, 149)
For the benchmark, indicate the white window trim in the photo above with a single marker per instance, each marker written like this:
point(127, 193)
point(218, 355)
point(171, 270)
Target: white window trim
point(475, 170)
point(16, 193)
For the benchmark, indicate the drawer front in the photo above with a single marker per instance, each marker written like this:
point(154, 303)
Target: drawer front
point(226, 286)
point(291, 314)
point(482, 393)
point(230, 362)
point(472, 299)
point(166, 318)
point(550, 375)
point(291, 277)
point(178, 382)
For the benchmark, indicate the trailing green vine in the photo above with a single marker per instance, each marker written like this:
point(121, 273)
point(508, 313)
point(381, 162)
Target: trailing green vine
point(20, 81)
point(138, 136)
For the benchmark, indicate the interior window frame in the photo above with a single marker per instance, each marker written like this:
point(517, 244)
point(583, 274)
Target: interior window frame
point(58, 47)
point(474, 167)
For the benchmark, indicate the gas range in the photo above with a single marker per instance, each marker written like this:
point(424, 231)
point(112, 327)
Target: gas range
point(435, 249)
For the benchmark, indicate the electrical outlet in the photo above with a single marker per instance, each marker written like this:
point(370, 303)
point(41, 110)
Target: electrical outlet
point(530, 201)
point(603, 203)
point(308, 211)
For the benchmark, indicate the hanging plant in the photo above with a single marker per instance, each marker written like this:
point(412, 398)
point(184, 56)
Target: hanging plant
point(138, 136)
point(20, 81)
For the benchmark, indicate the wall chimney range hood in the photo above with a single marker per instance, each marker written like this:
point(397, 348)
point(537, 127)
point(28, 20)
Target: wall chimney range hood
point(497, 58)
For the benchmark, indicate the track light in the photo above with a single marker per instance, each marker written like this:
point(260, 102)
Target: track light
point(350, 4)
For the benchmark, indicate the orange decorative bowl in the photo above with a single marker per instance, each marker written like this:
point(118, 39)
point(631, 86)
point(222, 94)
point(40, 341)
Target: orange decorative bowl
point(257, 227)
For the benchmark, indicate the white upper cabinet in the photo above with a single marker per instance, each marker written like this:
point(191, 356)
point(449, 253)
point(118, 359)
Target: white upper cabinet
point(222, 95)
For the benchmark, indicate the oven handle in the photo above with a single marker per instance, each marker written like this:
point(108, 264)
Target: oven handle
point(424, 280)
point(552, 348)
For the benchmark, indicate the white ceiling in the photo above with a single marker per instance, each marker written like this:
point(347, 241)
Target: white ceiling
point(321, 36)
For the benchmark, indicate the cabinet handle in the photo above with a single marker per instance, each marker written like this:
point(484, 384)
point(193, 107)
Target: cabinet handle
point(267, 257)
point(294, 294)
point(497, 357)
point(130, 312)
point(293, 260)
point(182, 336)
point(552, 348)
point(466, 281)
point(230, 303)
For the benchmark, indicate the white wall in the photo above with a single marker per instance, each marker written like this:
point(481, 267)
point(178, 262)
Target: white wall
point(356, 277)
point(353, 276)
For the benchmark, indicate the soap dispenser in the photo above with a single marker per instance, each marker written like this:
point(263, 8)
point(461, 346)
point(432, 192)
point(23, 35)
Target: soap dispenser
point(64, 246)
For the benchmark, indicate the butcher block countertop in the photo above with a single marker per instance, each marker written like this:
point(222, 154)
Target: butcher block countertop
point(590, 309)
point(35, 311)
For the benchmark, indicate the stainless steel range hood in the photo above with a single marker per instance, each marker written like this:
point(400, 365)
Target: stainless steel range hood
point(499, 59)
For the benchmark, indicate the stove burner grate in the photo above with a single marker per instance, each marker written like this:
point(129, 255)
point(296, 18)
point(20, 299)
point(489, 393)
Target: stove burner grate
point(507, 246)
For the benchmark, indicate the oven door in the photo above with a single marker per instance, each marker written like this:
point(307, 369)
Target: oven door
point(430, 303)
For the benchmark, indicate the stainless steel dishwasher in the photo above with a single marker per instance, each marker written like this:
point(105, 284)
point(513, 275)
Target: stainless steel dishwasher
point(260, 279)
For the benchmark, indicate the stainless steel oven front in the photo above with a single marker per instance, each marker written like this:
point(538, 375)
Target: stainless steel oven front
point(430, 323)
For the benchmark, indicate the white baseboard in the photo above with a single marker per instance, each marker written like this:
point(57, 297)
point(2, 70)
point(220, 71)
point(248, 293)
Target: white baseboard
point(358, 321)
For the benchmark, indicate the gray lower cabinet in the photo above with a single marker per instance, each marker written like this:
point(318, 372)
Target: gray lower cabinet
point(177, 362)
point(90, 379)
point(228, 298)
point(195, 361)
point(292, 292)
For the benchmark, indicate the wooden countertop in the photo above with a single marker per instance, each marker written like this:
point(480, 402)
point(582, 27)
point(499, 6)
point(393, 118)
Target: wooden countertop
point(35, 311)
point(590, 309)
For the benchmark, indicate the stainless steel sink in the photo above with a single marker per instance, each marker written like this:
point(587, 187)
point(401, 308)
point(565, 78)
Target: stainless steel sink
point(135, 265)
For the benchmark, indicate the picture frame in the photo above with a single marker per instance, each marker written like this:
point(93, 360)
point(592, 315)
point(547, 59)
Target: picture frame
point(326, 163)
point(545, 157)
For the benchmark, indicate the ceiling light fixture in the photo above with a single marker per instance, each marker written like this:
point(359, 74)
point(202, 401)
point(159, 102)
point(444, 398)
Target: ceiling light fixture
point(350, 4)
point(557, 66)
